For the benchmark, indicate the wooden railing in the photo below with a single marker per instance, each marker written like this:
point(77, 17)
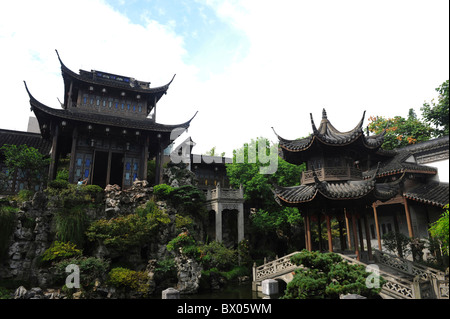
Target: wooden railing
point(332, 174)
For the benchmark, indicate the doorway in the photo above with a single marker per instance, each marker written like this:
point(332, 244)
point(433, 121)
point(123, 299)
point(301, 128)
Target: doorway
point(100, 168)
point(116, 173)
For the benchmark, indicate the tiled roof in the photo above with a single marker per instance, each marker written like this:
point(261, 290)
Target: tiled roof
point(403, 161)
point(30, 139)
point(102, 119)
point(93, 77)
point(432, 193)
point(329, 135)
point(336, 191)
point(430, 145)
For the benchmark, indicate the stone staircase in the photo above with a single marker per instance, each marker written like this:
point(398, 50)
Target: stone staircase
point(404, 279)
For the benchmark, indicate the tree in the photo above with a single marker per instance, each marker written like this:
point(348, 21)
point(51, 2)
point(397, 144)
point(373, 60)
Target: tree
point(437, 113)
point(327, 276)
point(26, 161)
point(212, 152)
point(401, 132)
point(269, 217)
point(440, 231)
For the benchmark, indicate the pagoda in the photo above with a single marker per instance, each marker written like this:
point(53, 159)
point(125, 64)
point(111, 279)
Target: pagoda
point(333, 185)
point(106, 126)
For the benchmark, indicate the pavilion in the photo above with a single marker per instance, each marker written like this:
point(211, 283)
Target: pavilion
point(106, 127)
point(348, 176)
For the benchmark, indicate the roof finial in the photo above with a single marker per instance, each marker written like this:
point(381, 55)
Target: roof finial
point(324, 114)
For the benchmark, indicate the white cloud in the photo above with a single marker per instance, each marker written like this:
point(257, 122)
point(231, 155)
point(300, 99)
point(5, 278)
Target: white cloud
point(88, 35)
point(300, 56)
point(347, 56)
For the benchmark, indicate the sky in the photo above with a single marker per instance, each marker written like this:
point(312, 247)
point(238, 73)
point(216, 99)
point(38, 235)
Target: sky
point(245, 66)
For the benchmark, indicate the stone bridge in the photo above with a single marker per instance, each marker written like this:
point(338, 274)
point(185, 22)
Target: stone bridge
point(404, 279)
point(278, 269)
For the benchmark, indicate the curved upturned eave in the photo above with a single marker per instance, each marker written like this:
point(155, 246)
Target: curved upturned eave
point(332, 137)
point(145, 125)
point(297, 201)
point(159, 89)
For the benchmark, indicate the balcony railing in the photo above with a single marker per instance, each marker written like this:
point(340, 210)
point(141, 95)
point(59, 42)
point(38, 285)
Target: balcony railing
point(332, 174)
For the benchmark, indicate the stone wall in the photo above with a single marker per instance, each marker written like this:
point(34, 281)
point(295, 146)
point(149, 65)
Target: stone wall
point(34, 232)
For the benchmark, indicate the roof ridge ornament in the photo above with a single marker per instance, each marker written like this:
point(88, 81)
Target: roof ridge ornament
point(324, 114)
point(314, 128)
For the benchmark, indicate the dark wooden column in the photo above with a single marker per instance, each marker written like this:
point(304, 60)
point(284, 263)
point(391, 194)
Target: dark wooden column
point(408, 218)
point(319, 224)
point(377, 226)
point(341, 235)
point(355, 235)
point(158, 165)
point(144, 159)
point(330, 239)
point(347, 225)
point(360, 233)
point(308, 232)
point(305, 224)
point(54, 155)
point(369, 245)
point(73, 155)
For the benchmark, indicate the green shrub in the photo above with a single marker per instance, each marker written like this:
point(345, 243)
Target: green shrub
point(162, 191)
point(62, 174)
point(397, 242)
point(188, 199)
point(24, 195)
point(93, 190)
point(129, 280)
point(71, 224)
point(58, 184)
point(153, 214)
point(216, 255)
point(185, 243)
point(327, 276)
point(61, 250)
point(121, 232)
point(91, 268)
point(440, 230)
point(7, 222)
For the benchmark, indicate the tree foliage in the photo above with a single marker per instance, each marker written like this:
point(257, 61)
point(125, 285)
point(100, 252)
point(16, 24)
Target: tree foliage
point(401, 132)
point(327, 276)
point(440, 231)
point(437, 113)
point(26, 161)
point(258, 187)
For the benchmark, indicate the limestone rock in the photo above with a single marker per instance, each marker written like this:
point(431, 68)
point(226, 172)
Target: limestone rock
point(189, 272)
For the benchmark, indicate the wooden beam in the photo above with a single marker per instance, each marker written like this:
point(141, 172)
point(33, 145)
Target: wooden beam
point(377, 226)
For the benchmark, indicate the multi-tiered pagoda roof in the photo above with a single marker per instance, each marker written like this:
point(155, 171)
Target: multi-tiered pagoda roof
point(343, 166)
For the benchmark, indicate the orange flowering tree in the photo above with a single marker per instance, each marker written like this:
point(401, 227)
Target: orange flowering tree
point(400, 132)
